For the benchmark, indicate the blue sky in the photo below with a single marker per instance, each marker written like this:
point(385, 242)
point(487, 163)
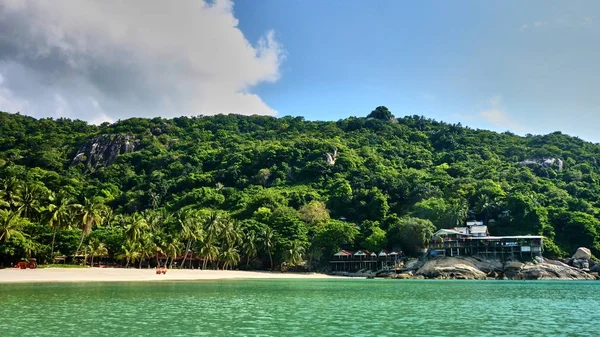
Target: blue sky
point(523, 66)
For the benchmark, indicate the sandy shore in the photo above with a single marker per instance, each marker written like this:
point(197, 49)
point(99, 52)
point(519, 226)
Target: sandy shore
point(12, 275)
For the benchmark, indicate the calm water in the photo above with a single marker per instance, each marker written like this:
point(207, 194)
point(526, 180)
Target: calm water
point(348, 307)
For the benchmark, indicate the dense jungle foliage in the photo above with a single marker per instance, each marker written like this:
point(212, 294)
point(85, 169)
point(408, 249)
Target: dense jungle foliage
point(262, 192)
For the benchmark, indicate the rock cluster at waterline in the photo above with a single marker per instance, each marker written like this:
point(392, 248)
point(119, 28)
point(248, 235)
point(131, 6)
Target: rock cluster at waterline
point(579, 267)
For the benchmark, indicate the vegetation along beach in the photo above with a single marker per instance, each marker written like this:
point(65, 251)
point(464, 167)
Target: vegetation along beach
point(299, 168)
point(285, 194)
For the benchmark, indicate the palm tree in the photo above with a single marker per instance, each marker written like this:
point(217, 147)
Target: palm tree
point(213, 224)
point(208, 250)
point(268, 242)
point(230, 257)
point(293, 256)
point(137, 224)
point(191, 230)
point(60, 213)
point(460, 213)
point(29, 197)
point(92, 213)
point(231, 233)
point(486, 206)
point(172, 249)
point(147, 247)
point(11, 225)
point(3, 203)
point(96, 248)
point(11, 188)
point(131, 252)
point(249, 247)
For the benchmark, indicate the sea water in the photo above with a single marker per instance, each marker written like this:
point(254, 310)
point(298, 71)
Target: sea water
point(302, 307)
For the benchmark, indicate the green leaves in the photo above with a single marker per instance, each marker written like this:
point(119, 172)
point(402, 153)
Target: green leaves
point(273, 177)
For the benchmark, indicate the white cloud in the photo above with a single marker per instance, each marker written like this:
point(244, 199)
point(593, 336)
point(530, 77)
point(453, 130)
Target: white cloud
point(108, 60)
point(533, 25)
point(428, 97)
point(498, 118)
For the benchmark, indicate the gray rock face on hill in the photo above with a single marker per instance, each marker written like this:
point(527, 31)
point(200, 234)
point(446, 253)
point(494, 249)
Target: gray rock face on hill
point(103, 150)
point(545, 162)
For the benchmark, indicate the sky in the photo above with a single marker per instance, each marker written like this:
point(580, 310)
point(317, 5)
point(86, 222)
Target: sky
point(519, 66)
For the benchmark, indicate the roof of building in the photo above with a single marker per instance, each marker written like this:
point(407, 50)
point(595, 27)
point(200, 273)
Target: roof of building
point(479, 229)
point(517, 237)
point(343, 253)
point(362, 252)
point(462, 230)
point(447, 232)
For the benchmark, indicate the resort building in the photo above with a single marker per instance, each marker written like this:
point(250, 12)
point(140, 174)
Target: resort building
point(475, 240)
point(347, 261)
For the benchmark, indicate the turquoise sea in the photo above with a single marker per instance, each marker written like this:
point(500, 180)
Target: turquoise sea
point(338, 307)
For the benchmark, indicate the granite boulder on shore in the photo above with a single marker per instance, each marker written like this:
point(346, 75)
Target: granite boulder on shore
point(472, 268)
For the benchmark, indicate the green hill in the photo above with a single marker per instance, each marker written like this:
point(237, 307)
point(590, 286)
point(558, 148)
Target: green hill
point(283, 189)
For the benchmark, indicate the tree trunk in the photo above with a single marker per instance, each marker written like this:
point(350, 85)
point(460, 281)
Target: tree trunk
point(187, 249)
point(52, 247)
point(127, 263)
point(92, 262)
point(271, 259)
point(80, 243)
point(140, 264)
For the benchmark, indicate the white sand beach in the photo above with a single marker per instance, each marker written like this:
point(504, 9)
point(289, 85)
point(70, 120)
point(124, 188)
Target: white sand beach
point(13, 275)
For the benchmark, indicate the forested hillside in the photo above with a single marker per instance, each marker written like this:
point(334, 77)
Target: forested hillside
point(229, 187)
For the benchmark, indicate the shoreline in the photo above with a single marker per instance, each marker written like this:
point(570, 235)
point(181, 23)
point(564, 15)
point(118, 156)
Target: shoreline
point(60, 275)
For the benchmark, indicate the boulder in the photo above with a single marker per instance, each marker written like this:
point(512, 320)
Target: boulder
point(412, 264)
point(550, 271)
point(511, 269)
point(580, 263)
point(582, 253)
point(595, 268)
point(452, 268)
point(403, 276)
point(472, 268)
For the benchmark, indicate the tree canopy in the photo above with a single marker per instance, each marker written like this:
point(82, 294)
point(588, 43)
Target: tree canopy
point(300, 189)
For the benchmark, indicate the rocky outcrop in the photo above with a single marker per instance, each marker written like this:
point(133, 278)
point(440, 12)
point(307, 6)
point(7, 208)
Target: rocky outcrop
point(582, 259)
point(471, 268)
point(103, 150)
point(452, 267)
point(545, 162)
point(412, 265)
point(547, 270)
point(582, 253)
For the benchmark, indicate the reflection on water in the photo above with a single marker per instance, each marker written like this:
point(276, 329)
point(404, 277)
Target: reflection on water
point(339, 307)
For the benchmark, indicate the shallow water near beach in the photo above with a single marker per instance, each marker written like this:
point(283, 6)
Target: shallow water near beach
point(325, 307)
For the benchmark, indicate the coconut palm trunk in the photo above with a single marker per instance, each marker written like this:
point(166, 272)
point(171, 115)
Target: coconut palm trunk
point(53, 240)
point(187, 249)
